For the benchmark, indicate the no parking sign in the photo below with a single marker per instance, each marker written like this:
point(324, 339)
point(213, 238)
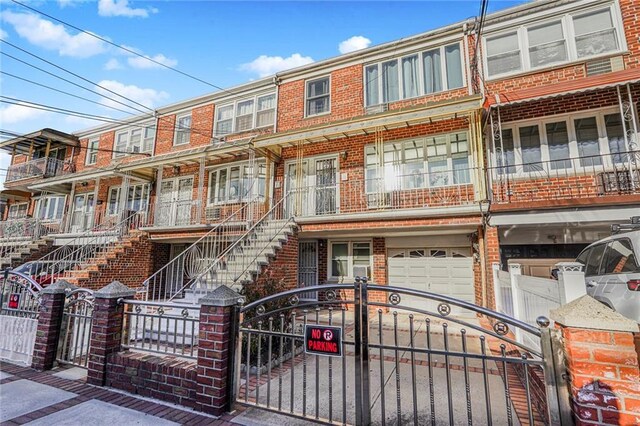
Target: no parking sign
point(323, 340)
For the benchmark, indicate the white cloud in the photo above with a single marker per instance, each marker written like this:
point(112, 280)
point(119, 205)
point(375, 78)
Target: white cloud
point(67, 3)
point(113, 64)
point(121, 8)
point(354, 43)
point(147, 97)
point(265, 65)
point(48, 35)
point(3, 34)
point(12, 114)
point(142, 63)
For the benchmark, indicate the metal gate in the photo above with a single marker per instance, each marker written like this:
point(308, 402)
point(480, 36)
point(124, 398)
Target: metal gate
point(399, 364)
point(75, 331)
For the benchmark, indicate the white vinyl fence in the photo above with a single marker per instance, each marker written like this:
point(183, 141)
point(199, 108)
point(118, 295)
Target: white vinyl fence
point(527, 298)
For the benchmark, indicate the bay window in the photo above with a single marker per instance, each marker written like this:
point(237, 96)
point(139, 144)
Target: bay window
point(245, 114)
point(136, 139)
point(349, 259)
point(414, 75)
point(237, 183)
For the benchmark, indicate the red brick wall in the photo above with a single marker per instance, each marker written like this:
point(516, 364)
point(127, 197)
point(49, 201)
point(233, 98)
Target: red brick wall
point(492, 255)
point(284, 267)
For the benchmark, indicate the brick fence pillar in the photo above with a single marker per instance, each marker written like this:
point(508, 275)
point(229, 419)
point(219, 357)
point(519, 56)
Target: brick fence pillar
point(49, 323)
point(601, 361)
point(106, 333)
point(218, 325)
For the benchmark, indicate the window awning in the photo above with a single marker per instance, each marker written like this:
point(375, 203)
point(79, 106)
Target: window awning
point(580, 85)
point(22, 144)
point(369, 123)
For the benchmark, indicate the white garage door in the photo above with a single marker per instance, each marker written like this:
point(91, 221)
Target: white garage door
point(447, 271)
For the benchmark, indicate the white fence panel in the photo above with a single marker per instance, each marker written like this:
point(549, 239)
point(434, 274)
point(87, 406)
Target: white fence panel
point(17, 338)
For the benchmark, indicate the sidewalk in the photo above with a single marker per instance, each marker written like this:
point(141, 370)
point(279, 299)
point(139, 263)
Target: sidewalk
point(61, 397)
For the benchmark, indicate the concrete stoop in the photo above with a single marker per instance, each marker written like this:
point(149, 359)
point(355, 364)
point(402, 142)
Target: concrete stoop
point(26, 251)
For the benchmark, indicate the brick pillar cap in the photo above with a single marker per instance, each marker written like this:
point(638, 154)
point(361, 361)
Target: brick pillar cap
point(115, 290)
point(587, 312)
point(221, 296)
point(60, 286)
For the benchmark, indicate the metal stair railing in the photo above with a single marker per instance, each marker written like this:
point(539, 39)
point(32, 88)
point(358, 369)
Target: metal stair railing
point(76, 253)
point(17, 235)
point(168, 281)
point(226, 269)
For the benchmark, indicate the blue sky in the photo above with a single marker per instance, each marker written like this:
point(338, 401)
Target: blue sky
point(223, 43)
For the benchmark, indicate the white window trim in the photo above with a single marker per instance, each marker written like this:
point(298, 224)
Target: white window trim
point(90, 151)
point(350, 243)
point(142, 127)
point(234, 105)
point(311, 80)
point(176, 130)
point(569, 34)
point(211, 198)
point(421, 89)
point(15, 206)
point(41, 199)
point(569, 119)
point(127, 201)
point(313, 160)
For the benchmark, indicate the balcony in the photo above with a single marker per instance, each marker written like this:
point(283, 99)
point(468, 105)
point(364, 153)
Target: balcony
point(41, 167)
point(587, 177)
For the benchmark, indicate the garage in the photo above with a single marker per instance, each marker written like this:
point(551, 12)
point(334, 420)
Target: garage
point(447, 271)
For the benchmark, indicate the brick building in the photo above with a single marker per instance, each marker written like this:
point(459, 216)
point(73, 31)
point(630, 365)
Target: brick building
point(417, 163)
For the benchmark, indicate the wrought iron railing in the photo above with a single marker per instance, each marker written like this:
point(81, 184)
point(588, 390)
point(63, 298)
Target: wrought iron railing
point(169, 280)
point(566, 178)
point(19, 295)
point(42, 167)
point(17, 236)
point(162, 328)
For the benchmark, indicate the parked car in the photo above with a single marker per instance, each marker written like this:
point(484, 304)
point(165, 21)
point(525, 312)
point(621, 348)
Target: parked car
point(612, 272)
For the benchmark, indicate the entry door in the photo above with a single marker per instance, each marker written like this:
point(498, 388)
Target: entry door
point(315, 193)
point(308, 267)
point(184, 197)
point(297, 204)
point(175, 203)
point(325, 186)
point(82, 216)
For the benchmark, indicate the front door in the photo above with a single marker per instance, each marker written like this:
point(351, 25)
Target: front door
point(174, 206)
point(82, 216)
point(308, 267)
point(314, 190)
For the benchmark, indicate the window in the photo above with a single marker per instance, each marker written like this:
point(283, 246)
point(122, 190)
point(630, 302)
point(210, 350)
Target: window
point(318, 96)
point(558, 143)
point(246, 114)
point(588, 141)
point(531, 152)
point(505, 158)
point(137, 139)
point(137, 199)
point(418, 163)
point(50, 208)
point(350, 259)
point(595, 33)
point(615, 135)
point(18, 211)
point(236, 183)
point(92, 151)
point(619, 258)
point(414, 75)
point(183, 130)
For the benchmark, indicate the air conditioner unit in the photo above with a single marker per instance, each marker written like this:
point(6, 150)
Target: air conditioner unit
point(376, 109)
point(135, 149)
point(212, 214)
point(603, 66)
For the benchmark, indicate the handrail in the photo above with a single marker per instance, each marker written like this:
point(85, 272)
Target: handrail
point(171, 269)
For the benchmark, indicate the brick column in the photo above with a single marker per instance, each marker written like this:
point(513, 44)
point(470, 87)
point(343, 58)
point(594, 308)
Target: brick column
point(106, 333)
point(601, 361)
point(49, 323)
point(216, 344)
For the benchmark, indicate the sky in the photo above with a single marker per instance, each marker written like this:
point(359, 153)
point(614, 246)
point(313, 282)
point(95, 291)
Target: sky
point(221, 43)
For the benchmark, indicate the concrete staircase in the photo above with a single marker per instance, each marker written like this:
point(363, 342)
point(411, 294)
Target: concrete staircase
point(15, 253)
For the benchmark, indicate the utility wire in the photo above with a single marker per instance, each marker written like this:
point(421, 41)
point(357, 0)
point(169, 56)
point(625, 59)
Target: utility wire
point(71, 82)
point(62, 91)
point(76, 75)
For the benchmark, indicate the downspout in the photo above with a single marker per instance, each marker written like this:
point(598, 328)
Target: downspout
point(465, 27)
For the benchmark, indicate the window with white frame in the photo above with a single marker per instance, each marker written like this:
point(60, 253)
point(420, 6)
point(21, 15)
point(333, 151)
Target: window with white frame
point(350, 259)
point(18, 211)
point(418, 163)
point(571, 37)
point(246, 114)
point(136, 139)
point(414, 75)
point(237, 183)
point(137, 199)
point(587, 141)
point(92, 151)
point(318, 96)
point(50, 207)
point(183, 129)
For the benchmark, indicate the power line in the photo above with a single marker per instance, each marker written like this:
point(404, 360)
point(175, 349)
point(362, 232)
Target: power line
point(71, 82)
point(62, 91)
point(123, 48)
point(75, 75)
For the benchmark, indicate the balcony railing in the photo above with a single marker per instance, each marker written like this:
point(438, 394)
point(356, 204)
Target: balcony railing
point(42, 167)
point(568, 178)
point(27, 228)
point(196, 212)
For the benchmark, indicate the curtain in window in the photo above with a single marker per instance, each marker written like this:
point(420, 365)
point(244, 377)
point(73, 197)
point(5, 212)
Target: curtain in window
point(595, 33)
point(390, 89)
point(454, 66)
point(410, 76)
point(432, 71)
point(266, 111)
point(547, 44)
point(531, 152)
point(503, 54)
point(505, 154)
point(371, 84)
point(558, 142)
point(615, 135)
point(588, 142)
